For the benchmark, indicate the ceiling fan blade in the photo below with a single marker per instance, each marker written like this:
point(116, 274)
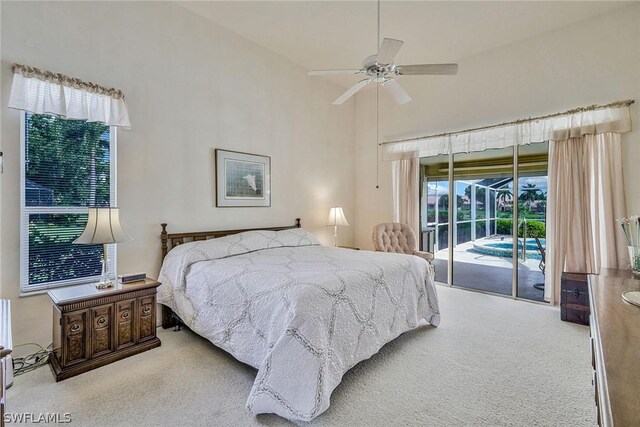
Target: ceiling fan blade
point(427, 69)
point(352, 90)
point(395, 90)
point(332, 72)
point(388, 50)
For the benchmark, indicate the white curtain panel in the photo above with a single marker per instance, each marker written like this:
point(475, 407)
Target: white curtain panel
point(615, 119)
point(585, 196)
point(406, 200)
point(40, 95)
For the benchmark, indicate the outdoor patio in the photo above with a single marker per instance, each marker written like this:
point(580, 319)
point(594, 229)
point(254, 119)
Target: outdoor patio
point(489, 273)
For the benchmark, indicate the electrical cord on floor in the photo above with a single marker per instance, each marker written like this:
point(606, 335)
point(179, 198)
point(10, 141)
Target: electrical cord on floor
point(32, 361)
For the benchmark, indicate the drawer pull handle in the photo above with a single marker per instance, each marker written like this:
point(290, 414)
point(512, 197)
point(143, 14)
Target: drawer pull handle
point(125, 315)
point(146, 310)
point(75, 327)
point(576, 292)
point(102, 321)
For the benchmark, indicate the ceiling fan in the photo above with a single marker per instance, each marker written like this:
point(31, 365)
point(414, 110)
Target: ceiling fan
point(381, 69)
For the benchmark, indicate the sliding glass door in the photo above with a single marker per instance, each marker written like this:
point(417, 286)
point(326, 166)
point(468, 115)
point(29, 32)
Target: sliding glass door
point(494, 239)
point(482, 259)
point(434, 215)
point(532, 214)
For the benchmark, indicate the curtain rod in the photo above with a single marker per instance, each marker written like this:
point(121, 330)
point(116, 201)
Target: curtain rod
point(624, 103)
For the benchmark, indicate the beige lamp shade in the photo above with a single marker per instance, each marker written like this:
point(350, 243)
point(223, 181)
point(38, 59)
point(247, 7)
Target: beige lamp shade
point(103, 226)
point(337, 218)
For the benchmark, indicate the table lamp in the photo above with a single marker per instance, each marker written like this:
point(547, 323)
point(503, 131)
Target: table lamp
point(103, 227)
point(336, 218)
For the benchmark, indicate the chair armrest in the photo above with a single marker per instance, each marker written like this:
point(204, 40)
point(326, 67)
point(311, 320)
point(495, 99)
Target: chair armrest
point(425, 255)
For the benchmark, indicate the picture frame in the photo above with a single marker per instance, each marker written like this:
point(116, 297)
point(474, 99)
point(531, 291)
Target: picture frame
point(242, 179)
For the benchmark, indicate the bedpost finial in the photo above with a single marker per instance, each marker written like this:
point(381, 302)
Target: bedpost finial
point(164, 238)
point(298, 223)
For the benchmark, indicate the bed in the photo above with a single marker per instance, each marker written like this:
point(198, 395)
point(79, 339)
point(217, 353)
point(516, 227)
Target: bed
point(301, 313)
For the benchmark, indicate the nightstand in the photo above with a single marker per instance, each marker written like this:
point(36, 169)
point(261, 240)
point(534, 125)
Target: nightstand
point(94, 327)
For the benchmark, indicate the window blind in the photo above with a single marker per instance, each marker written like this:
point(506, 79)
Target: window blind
point(67, 166)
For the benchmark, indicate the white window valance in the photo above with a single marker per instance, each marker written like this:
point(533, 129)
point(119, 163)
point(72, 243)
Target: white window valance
point(584, 121)
point(43, 92)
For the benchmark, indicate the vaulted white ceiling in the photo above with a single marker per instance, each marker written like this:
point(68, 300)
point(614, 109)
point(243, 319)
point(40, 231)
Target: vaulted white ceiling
point(339, 34)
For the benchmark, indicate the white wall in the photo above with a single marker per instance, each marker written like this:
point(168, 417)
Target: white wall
point(191, 87)
point(596, 61)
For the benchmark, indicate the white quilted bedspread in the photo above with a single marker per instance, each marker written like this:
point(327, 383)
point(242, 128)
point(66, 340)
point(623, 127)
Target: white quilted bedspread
point(300, 313)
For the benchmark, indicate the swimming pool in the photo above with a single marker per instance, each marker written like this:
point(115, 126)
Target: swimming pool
point(504, 248)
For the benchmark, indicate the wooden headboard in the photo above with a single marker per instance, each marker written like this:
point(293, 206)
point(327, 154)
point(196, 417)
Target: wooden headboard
point(171, 240)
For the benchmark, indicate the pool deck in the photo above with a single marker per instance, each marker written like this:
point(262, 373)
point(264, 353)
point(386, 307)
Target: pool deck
point(489, 273)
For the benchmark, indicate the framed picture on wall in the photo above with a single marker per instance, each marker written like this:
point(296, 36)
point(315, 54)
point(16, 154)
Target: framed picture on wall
point(242, 179)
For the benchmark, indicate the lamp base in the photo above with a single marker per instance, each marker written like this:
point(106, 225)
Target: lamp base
point(104, 284)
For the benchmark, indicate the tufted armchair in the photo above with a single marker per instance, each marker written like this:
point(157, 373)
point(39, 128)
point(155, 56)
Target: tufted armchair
point(397, 238)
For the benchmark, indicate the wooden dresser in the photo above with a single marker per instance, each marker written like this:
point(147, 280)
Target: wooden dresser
point(615, 346)
point(93, 327)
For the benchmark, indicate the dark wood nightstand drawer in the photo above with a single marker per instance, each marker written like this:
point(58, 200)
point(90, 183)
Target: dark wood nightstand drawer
point(147, 318)
point(75, 337)
point(101, 330)
point(125, 321)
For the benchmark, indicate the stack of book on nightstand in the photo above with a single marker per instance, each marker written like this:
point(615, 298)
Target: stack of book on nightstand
point(131, 277)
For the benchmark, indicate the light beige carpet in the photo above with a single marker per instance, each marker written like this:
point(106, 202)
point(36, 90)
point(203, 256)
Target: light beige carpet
point(492, 362)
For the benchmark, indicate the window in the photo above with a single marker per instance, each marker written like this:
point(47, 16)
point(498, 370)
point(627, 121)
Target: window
point(67, 166)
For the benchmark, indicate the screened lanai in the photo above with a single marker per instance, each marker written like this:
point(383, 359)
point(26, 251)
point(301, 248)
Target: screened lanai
point(482, 227)
point(473, 197)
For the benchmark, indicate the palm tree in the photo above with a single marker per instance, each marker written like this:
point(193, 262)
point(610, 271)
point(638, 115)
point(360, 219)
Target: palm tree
point(504, 197)
point(530, 194)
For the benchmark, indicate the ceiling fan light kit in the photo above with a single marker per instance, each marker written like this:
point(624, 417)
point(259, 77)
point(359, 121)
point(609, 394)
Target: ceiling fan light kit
point(380, 68)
